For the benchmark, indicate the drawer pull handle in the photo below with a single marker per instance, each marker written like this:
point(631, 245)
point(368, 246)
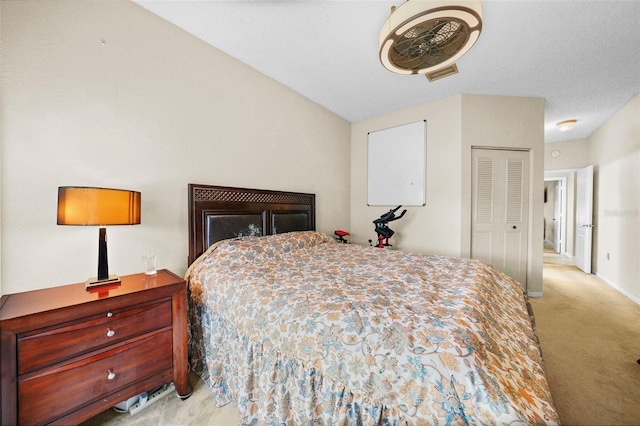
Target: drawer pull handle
point(109, 314)
point(111, 375)
point(110, 333)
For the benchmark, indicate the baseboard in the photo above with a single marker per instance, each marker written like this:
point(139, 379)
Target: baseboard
point(535, 293)
point(619, 289)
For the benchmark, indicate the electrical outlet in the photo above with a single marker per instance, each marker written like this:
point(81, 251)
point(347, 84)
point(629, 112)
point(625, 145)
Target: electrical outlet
point(608, 256)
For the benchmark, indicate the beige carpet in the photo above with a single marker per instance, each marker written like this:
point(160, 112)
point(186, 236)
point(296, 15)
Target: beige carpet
point(590, 338)
point(550, 256)
point(199, 409)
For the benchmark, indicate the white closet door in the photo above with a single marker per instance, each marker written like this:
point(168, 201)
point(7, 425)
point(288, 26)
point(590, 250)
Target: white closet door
point(500, 210)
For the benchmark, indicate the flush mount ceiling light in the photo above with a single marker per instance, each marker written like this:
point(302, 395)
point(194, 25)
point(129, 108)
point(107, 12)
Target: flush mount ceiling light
point(565, 126)
point(428, 36)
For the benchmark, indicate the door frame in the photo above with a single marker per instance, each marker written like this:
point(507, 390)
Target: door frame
point(562, 181)
point(566, 174)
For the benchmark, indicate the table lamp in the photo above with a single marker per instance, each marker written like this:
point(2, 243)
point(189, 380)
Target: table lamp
point(80, 205)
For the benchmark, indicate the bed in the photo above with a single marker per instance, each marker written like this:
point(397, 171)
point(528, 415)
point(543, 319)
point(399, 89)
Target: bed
point(300, 329)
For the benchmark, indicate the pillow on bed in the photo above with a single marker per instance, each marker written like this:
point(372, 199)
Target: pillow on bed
point(204, 255)
point(265, 247)
point(270, 246)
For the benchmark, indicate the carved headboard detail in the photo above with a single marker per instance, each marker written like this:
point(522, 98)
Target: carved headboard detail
point(219, 212)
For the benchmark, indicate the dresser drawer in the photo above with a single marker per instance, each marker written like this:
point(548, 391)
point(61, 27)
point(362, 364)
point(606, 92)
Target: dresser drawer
point(52, 393)
point(52, 345)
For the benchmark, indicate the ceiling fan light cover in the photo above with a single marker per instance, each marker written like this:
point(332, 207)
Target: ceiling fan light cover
point(565, 126)
point(422, 36)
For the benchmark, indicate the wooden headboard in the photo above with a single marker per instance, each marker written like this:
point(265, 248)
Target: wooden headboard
point(219, 212)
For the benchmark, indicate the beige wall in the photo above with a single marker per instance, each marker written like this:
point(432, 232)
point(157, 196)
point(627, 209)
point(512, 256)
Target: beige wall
point(572, 154)
point(435, 227)
point(614, 150)
point(108, 94)
point(454, 125)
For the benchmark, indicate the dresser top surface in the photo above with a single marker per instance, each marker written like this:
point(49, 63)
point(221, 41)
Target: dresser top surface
point(31, 302)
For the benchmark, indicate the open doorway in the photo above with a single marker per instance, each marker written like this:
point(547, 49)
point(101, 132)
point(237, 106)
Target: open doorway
point(554, 211)
point(557, 223)
point(576, 219)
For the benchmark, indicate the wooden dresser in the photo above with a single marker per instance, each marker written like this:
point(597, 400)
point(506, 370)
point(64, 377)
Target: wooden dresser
point(67, 353)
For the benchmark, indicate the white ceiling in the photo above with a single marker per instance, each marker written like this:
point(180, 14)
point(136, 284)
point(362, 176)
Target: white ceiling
point(582, 57)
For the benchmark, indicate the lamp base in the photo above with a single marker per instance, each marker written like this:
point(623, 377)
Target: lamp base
point(95, 282)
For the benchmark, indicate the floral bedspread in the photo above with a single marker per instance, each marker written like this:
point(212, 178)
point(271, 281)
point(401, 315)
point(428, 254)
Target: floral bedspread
point(302, 330)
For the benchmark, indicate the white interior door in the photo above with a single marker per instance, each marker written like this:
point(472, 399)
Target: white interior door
point(557, 218)
point(584, 217)
point(500, 210)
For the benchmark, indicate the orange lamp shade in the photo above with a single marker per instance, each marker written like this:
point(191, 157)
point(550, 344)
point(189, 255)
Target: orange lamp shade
point(79, 205)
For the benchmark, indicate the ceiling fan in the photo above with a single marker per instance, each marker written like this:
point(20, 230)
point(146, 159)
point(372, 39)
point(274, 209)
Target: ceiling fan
point(428, 36)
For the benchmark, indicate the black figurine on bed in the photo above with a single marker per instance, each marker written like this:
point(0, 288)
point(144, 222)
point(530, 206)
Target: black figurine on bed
point(383, 230)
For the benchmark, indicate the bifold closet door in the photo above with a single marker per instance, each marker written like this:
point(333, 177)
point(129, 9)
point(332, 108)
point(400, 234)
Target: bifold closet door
point(500, 210)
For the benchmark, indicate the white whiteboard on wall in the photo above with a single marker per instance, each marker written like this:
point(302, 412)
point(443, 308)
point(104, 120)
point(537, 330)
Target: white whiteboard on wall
point(396, 168)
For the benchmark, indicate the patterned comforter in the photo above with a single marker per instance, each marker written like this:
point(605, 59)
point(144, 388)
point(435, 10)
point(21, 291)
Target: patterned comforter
point(302, 330)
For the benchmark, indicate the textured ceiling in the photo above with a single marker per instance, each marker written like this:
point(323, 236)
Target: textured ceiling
point(582, 57)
